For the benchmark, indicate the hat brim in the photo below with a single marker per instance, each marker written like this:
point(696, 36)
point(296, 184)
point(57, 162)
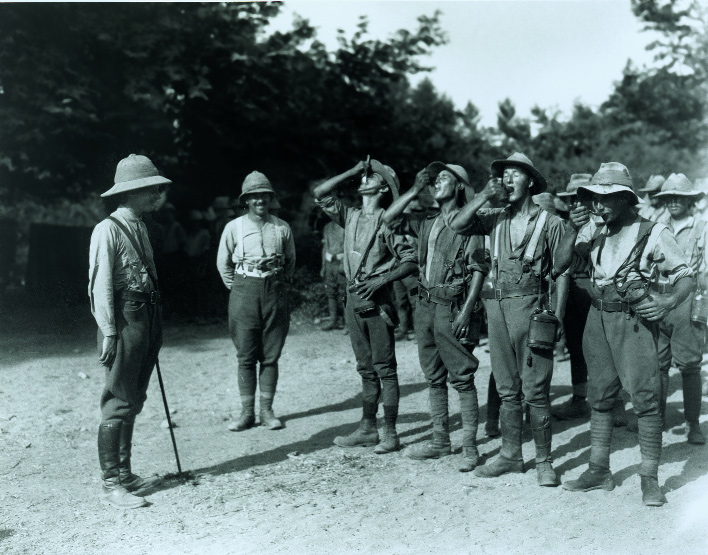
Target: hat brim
point(611, 189)
point(567, 194)
point(540, 184)
point(434, 168)
point(127, 186)
point(692, 193)
point(255, 192)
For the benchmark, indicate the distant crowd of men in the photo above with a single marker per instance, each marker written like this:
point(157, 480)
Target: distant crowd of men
point(622, 279)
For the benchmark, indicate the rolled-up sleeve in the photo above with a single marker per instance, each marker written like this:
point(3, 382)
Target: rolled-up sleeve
point(102, 254)
point(667, 256)
point(334, 208)
point(401, 248)
point(477, 258)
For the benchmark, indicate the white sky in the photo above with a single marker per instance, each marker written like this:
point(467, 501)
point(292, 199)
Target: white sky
point(533, 51)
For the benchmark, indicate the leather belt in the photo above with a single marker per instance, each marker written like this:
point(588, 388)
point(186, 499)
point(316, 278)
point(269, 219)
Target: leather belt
point(150, 297)
point(610, 306)
point(255, 273)
point(499, 293)
point(425, 295)
point(662, 287)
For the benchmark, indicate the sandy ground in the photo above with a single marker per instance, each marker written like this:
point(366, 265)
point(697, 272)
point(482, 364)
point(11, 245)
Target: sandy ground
point(293, 491)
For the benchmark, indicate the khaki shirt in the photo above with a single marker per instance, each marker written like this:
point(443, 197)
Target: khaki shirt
point(261, 247)
point(693, 252)
point(114, 265)
point(661, 255)
point(388, 248)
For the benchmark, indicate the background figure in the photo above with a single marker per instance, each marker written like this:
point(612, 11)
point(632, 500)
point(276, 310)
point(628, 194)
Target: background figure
point(404, 306)
point(333, 274)
point(196, 251)
point(174, 239)
point(652, 208)
point(256, 260)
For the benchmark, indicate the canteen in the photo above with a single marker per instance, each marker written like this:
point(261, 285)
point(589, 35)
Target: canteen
point(543, 327)
point(699, 309)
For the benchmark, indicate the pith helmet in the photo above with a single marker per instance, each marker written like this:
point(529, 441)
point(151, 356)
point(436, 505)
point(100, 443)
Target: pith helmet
point(135, 172)
point(576, 180)
point(255, 182)
point(612, 177)
point(679, 185)
point(522, 161)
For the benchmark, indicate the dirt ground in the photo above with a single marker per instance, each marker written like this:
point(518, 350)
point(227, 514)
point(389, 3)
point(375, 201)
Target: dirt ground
point(293, 491)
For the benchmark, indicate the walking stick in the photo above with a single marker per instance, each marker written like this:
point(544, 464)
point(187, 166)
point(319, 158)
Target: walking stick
point(167, 413)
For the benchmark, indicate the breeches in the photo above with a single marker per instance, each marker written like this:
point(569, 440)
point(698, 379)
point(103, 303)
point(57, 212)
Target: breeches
point(441, 354)
point(621, 353)
point(139, 327)
point(517, 367)
point(681, 340)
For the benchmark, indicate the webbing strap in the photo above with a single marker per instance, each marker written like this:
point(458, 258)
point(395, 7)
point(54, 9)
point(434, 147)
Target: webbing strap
point(533, 242)
point(141, 252)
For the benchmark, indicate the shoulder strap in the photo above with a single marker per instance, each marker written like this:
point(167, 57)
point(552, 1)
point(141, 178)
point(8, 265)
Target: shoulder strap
point(635, 255)
point(365, 254)
point(533, 241)
point(134, 243)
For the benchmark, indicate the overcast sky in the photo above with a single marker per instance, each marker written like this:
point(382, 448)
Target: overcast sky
point(533, 51)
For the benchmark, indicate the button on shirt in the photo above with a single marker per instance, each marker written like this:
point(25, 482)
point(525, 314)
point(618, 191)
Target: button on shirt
point(660, 255)
point(114, 265)
point(388, 248)
point(261, 248)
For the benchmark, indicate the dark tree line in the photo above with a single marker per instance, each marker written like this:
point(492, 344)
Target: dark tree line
point(211, 94)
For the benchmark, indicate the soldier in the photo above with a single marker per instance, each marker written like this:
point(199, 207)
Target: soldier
point(452, 269)
point(652, 209)
point(576, 313)
point(333, 273)
point(371, 251)
point(124, 296)
point(256, 260)
point(679, 337)
point(523, 238)
point(620, 339)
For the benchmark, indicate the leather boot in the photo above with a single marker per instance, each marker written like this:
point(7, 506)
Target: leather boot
point(366, 435)
point(248, 414)
point(542, 437)
point(132, 482)
point(594, 477)
point(664, 377)
point(651, 492)
point(510, 458)
point(332, 309)
point(113, 493)
point(469, 412)
point(491, 428)
point(692, 407)
point(389, 442)
point(439, 445)
point(268, 418)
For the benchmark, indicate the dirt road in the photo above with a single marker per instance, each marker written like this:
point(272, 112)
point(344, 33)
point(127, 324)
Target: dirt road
point(292, 491)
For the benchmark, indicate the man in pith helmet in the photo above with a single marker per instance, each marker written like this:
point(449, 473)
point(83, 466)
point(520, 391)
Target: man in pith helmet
point(125, 301)
point(621, 333)
point(256, 260)
point(370, 254)
point(522, 238)
point(680, 338)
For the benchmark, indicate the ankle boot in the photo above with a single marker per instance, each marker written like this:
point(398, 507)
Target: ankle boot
point(389, 442)
point(366, 435)
point(469, 412)
point(491, 428)
point(692, 407)
point(695, 435)
point(113, 493)
point(248, 414)
point(267, 416)
point(132, 482)
point(510, 458)
point(594, 477)
point(651, 492)
point(439, 445)
point(542, 437)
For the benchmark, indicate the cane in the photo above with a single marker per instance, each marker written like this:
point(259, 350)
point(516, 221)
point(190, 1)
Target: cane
point(167, 413)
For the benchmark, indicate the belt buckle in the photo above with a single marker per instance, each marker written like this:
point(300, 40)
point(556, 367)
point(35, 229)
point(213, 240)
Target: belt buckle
point(599, 307)
point(154, 297)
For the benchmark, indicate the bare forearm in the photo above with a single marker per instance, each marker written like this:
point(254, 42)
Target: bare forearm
point(398, 206)
point(326, 188)
point(682, 289)
point(473, 290)
point(564, 253)
point(403, 270)
point(468, 212)
point(562, 287)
